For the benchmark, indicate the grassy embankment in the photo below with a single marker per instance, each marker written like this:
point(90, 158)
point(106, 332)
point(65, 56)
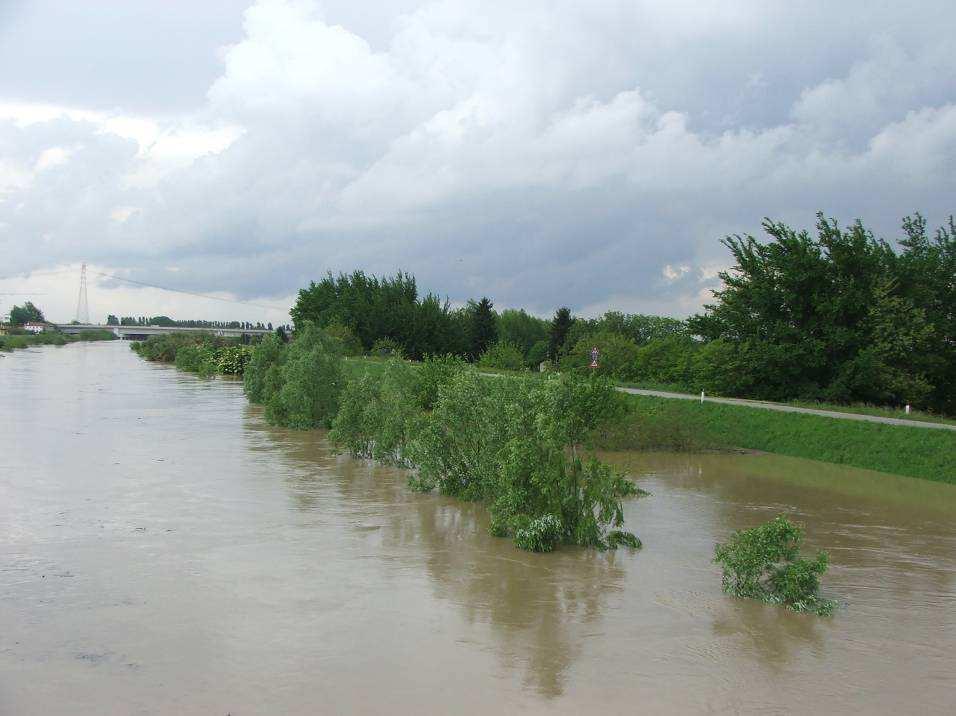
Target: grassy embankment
point(669, 424)
point(25, 340)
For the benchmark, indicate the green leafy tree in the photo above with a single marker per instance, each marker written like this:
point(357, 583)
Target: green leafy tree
point(669, 359)
point(560, 326)
point(378, 414)
point(503, 356)
point(351, 345)
point(549, 489)
point(311, 380)
point(27, 313)
point(521, 329)
point(926, 276)
point(537, 354)
point(262, 379)
point(376, 308)
point(640, 328)
point(521, 446)
point(456, 447)
point(484, 327)
point(764, 563)
point(838, 315)
point(617, 355)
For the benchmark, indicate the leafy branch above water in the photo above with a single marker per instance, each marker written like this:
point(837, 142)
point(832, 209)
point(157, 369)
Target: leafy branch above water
point(764, 563)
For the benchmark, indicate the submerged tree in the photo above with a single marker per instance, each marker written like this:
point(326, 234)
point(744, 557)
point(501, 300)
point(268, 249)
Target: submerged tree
point(764, 563)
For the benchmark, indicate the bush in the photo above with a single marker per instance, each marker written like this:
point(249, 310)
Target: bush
point(515, 443)
point(231, 360)
point(261, 375)
point(378, 413)
point(194, 358)
point(350, 343)
point(617, 355)
point(311, 380)
point(435, 372)
point(667, 360)
point(537, 354)
point(456, 447)
point(502, 356)
point(764, 563)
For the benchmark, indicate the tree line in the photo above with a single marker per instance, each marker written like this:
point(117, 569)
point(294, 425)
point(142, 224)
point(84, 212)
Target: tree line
point(833, 315)
point(166, 321)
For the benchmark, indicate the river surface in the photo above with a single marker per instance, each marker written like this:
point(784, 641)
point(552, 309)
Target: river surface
point(164, 551)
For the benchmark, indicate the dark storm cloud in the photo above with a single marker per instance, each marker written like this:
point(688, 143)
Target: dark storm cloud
point(541, 153)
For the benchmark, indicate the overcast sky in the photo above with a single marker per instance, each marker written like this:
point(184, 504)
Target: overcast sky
point(590, 154)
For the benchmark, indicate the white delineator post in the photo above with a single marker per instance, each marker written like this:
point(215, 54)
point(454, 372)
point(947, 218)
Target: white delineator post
point(701, 397)
point(907, 409)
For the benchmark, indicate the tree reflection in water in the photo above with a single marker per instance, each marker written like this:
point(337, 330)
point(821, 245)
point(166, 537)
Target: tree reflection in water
point(539, 608)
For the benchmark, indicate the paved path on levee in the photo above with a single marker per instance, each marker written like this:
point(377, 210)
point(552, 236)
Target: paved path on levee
point(792, 409)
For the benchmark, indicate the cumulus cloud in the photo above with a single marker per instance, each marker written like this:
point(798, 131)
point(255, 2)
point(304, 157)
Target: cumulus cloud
point(541, 153)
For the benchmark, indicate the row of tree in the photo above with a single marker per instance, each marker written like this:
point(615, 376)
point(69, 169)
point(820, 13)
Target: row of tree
point(166, 321)
point(370, 311)
point(835, 315)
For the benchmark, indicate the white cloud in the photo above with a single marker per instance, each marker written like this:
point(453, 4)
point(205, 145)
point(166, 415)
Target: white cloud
point(542, 153)
point(672, 273)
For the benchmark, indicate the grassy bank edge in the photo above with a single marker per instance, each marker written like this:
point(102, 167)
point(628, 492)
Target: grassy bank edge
point(674, 424)
point(657, 423)
point(20, 341)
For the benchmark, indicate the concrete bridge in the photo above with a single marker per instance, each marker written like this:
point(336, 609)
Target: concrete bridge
point(143, 332)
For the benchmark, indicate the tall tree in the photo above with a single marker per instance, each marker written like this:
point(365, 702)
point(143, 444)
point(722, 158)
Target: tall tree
point(560, 326)
point(484, 326)
point(521, 329)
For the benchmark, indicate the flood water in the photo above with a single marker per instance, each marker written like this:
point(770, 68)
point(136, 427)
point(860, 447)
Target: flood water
point(164, 551)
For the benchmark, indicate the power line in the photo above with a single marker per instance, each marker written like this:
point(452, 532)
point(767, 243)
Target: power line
point(190, 293)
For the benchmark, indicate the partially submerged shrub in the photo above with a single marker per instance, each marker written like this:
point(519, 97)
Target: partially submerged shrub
point(539, 535)
point(200, 353)
point(261, 370)
point(515, 443)
point(231, 360)
point(311, 380)
point(377, 414)
point(456, 448)
point(764, 563)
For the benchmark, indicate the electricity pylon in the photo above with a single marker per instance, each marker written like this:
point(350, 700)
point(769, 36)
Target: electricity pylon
point(82, 303)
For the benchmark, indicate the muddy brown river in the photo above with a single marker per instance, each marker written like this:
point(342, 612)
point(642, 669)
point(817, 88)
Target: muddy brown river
point(164, 551)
